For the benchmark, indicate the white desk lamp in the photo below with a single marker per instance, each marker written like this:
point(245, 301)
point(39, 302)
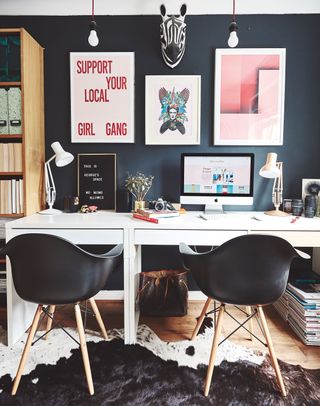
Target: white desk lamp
point(62, 158)
point(273, 170)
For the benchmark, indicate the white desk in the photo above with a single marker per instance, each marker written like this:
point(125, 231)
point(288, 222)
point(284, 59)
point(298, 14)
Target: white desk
point(114, 228)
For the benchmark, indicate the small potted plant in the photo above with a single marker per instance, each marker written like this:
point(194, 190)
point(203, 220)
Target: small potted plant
point(138, 185)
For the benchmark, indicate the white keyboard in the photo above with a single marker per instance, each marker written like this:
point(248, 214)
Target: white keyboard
point(223, 216)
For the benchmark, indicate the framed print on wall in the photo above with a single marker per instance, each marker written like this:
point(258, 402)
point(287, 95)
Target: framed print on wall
point(249, 96)
point(173, 105)
point(102, 96)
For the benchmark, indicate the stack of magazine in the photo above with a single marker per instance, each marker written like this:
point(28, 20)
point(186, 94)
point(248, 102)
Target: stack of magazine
point(155, 216)
point(300, 307)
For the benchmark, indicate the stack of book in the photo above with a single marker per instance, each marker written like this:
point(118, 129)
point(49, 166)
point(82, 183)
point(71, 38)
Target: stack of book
point(10, 157)
point(300, 307)
point(11, 196)
point(155, 216)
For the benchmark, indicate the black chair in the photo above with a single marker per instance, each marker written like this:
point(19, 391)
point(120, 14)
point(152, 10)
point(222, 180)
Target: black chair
point(50, 270)
point(250, 270)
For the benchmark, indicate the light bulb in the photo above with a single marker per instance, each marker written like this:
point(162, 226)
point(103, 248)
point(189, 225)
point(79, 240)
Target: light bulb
point(93, 37)
point(233, 40)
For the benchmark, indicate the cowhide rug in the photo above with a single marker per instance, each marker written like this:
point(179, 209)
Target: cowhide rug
point(151, 372)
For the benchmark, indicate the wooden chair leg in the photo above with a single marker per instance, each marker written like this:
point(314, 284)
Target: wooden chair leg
point(248, 311)
point(214, 348)
point(84, 350)
point(98, 317)
point(52, 309)
point(215, 314)
point(271, 351)
point(26, 349)
point(200, 319)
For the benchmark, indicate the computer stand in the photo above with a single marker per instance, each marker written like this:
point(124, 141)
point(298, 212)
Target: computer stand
point(213, 209)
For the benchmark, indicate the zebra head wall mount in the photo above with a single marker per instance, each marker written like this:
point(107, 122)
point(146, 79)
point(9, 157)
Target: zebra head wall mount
point(173, 36)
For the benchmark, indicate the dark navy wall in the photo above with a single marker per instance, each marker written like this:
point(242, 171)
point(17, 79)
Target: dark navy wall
point(299, 34)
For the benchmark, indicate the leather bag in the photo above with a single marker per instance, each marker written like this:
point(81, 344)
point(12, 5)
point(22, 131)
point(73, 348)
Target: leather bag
point(163, 293)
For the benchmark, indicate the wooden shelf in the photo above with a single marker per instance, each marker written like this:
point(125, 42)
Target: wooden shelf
point(3, 84)
point(11, 173)
point(11, 136)
point(12, 215)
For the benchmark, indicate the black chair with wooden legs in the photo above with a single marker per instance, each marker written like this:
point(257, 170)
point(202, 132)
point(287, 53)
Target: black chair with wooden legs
point(250, 270)
point(49, 271)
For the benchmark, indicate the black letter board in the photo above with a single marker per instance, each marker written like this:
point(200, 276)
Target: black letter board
point(97, 180)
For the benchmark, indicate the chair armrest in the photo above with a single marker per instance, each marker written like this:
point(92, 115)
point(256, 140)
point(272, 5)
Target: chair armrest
point(185, 249)
point(302, 254)
point(114, 252)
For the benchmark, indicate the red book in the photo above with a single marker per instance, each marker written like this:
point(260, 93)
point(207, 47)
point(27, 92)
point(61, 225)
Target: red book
point(141, 217)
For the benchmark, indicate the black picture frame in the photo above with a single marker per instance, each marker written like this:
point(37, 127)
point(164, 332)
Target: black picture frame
point(97, 180)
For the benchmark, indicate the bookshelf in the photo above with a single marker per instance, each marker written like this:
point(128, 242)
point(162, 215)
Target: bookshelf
point(21, 122)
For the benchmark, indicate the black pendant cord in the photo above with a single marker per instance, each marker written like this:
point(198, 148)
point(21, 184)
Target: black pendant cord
point(234, 11)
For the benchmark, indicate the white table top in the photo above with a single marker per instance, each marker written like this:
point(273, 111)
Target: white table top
point(245, 220)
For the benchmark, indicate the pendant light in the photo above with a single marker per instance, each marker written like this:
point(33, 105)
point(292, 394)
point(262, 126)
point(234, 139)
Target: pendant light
point(233, 40)
point(93, 37)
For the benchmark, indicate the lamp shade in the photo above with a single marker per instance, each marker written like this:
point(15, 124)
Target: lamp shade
point(63, 158)
point(270, 169)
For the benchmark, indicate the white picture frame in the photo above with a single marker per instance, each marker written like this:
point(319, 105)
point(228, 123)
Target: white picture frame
point(182, 95)
point(102, 97)
point(249, 96)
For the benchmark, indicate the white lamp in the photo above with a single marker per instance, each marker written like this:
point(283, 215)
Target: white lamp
point(273, 170)
point(62, 158)
point(233, 40)
point(93, 36)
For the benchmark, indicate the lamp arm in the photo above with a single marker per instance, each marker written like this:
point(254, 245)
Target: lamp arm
point(277, 188)
point(50, 185)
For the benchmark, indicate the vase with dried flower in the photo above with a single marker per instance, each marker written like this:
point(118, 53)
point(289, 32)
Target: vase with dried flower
point(138, 185)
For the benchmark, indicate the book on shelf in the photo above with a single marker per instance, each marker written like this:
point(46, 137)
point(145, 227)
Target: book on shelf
point(305, 291)
point(17, 147)
point(150, 213)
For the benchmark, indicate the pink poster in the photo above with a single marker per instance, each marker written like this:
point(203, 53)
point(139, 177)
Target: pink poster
point(249, 96)
point(102, 96)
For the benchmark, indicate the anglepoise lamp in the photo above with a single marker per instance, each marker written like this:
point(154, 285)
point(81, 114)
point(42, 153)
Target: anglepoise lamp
point(273, 170)
point(62, 158)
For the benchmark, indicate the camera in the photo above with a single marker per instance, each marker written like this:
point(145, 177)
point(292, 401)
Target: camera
point(158, 205)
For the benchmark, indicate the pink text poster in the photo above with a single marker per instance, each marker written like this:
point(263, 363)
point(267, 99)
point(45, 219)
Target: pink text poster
point(102, 96)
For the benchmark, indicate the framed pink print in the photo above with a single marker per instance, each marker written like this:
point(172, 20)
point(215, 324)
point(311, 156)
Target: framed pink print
point(249, 96)
point(102, 96)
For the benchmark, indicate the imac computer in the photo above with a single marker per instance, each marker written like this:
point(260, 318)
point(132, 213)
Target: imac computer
point(217, 179)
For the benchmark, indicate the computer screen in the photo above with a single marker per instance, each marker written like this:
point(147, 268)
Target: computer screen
point(217, 179)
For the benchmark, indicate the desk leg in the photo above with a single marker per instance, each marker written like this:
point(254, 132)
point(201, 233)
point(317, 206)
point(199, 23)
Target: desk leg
point(316, 260)
point(126, 286)
point(19, 313)
point(131, 309)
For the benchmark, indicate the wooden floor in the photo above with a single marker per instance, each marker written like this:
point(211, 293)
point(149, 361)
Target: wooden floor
point(287, 346)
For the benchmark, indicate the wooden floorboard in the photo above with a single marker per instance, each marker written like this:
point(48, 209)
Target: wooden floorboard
point(287, 346)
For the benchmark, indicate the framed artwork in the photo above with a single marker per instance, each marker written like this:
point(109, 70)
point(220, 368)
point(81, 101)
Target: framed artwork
point(97, 180)
point(102, 96)
point(173, 105)
point(249, 96)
